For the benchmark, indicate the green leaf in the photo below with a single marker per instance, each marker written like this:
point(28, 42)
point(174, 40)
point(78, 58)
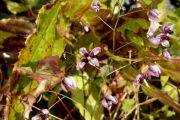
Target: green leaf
point(87, 97)
point(161, 96)
point(44, 41)
point(133, 25)
point(147, 2)
point(17, 110)
point(168, 112)
point(136, 40)
point(15, 7)
point(31, 3)
point(106, 69)
point(172, 91)
point(127, 105)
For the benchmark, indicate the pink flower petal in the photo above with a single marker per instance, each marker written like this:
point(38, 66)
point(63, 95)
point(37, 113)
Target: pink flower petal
point(63, 87)
point(70, 82)
point(153, 28)
point(95, 51)
point(154, 41)
point(94, 62)
point(166, 54)
point(112, 98)
point(165, 43)
point(83, 51)
point(80, 65)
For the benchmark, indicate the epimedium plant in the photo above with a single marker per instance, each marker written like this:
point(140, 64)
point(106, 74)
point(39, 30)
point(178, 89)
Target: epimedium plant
point(109, 61)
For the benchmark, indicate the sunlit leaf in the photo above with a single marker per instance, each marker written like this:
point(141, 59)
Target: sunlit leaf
point(161, 96)
point(15, 7)
point(87, 97)
point(127, 105)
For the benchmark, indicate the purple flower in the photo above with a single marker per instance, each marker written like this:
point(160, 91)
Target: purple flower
point(154, 40)
point(108, 101)
point(163, 38)
point(153, 15)
point(154, 26)
point(138, 79)
point(89, 57)
point(168, 27)
point(68, 81)
point(112, 98)
point(106, 104)
point(96, 6)
point(166, 54)
point(154, 71)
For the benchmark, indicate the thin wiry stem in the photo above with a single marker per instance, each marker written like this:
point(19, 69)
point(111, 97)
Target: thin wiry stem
point(104, 22)
point(137, 105)
point(69, 99)
point(49, 113)
point(120, 68)
point(65, 107)
point(53, 104)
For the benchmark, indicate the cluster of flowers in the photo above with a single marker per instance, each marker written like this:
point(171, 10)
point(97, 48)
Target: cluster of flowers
point(153, 71)
point(88, 58)
point(91, 58)
point(162, 38)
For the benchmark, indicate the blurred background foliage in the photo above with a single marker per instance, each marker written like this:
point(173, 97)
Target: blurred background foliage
point(32, 30)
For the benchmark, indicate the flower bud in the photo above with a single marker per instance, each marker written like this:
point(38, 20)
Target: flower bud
point(112, 98)
point(106, 104)
point(70, 82)
point(166, 54)
point(136, 82)
point(153, 15)
point(165, 43)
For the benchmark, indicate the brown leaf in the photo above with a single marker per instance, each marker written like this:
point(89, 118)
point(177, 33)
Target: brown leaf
point(19, 26)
